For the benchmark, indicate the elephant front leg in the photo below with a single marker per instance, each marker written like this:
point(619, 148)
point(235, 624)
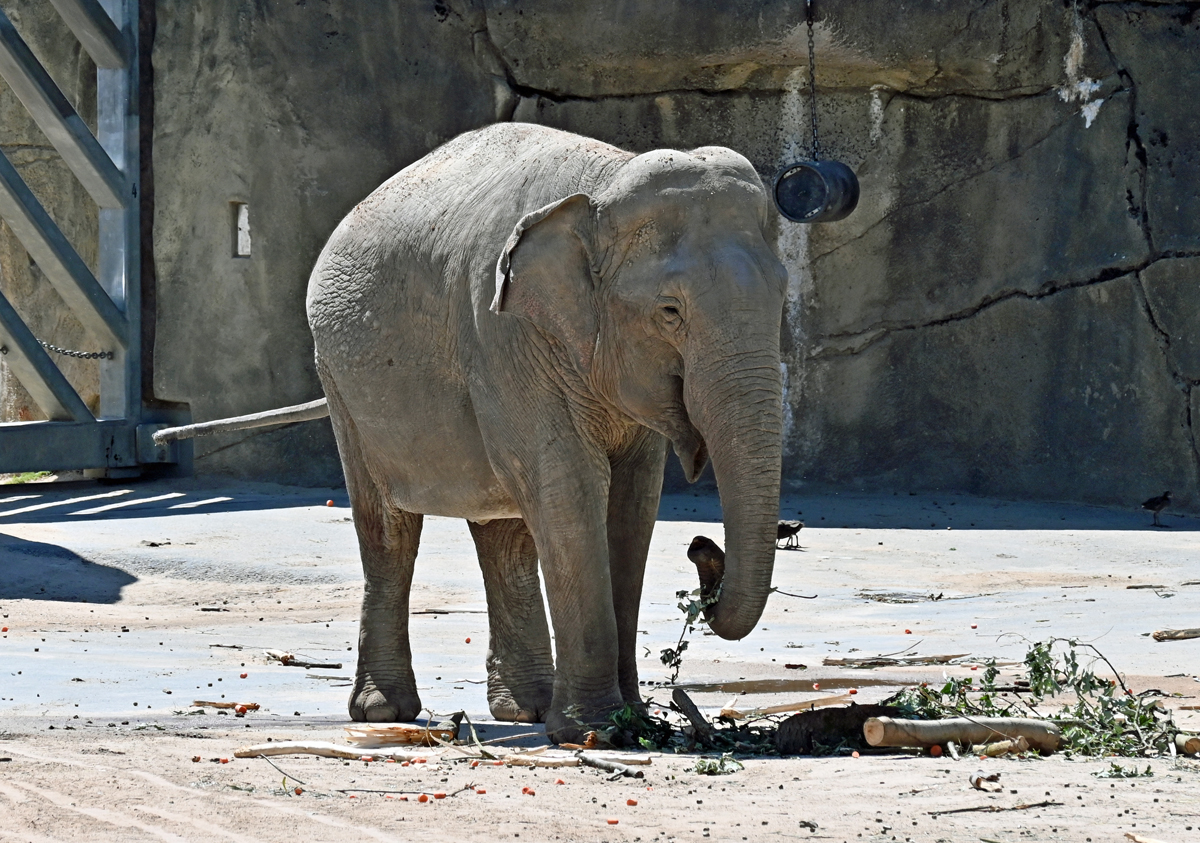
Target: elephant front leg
point(633, 498)
point(519, 662)
point(567, 519)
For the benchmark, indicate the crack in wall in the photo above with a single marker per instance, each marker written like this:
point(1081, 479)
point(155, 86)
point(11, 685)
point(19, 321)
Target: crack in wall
point(1183, 383)
point(1141, 211)
point(1142, 214)
point(860, 341)
point(496, 64)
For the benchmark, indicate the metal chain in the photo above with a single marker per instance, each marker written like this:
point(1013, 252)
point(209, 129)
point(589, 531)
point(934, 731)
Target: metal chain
point(82, 355)
point(812, 78)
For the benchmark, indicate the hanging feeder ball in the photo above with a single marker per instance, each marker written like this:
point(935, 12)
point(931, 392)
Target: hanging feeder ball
point(815, 191)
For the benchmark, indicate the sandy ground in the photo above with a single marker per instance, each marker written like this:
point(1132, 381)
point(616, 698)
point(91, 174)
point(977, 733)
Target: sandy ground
point(115, 598)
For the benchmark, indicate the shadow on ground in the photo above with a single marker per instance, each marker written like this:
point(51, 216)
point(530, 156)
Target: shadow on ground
point(38, 571)
point(39, 503)
point(885, 510)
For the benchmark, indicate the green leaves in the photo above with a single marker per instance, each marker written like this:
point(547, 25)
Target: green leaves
point(1099, 716)
point(692, 604)
point(722, 766)
point(1116, 771)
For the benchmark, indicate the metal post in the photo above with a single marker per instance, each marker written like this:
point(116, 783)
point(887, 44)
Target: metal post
point(120, 231)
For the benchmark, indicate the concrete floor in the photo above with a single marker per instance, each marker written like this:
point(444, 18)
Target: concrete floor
point(85, 568)
point(124, 604)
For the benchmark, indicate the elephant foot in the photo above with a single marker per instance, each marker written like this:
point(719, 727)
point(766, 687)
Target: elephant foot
point(526, 704)
point(371, 703)
point(572, 723)
point(506, 709)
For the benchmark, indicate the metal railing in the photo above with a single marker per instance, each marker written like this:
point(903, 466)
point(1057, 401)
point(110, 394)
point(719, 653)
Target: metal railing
point(107, 304)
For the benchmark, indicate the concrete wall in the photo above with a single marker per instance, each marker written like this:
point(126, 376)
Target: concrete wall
point(1012, 310)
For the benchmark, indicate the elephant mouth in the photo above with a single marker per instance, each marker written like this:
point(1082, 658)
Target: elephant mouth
point(692, 451)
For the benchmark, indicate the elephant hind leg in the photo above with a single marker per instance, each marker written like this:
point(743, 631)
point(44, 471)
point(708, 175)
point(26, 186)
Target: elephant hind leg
point(385, 689)
point(519, 662)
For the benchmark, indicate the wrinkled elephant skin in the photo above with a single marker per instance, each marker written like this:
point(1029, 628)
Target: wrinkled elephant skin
point(510, 331)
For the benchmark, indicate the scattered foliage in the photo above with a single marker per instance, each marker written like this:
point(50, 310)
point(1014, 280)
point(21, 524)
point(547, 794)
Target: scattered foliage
point(722, 766)
point(24, 477)
point(1104, 718)
point(1116, 771)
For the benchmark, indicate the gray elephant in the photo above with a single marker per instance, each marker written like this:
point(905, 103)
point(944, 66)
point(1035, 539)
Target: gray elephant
point(509, 331)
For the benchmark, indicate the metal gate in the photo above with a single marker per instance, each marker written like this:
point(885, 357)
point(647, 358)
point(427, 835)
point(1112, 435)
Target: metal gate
point(107, 304)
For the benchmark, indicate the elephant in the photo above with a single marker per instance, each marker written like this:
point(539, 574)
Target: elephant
point(510, 331)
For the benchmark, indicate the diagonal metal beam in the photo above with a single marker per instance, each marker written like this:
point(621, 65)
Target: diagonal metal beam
point(36, 371)
point(59, 121)
point(60, 262)
point(95, 31)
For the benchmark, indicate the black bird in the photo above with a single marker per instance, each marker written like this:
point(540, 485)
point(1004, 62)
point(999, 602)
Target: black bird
point(1157, 505)
point(709, 560)
point(788, 530)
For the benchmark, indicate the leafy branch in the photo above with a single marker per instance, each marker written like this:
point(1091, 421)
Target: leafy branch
point(693, 608)
point(1100, 716)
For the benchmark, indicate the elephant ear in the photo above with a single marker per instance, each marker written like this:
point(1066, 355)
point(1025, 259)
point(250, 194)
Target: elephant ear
point(544, 274)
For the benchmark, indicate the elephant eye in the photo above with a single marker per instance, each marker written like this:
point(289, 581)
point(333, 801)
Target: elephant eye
point(669, 312)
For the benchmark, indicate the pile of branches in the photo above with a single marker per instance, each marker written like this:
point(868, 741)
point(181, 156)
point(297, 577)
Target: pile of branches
point(1098, 715)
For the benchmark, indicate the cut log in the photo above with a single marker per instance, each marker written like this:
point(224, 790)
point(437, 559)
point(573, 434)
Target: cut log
point(1176, 634)
point(799, 734)
point(432, 735)
point(1042, 735)
point(1188, 744)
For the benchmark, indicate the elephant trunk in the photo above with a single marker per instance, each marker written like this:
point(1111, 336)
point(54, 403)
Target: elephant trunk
point(739, 413)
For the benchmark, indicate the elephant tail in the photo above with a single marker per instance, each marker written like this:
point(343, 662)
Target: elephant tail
point(318, 409)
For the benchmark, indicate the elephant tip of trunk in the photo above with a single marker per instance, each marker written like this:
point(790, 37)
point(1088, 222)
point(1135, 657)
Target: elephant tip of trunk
point(709, 560)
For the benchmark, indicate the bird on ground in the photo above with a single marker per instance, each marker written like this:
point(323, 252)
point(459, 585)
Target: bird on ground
point(709, 560)
point(788, 530)
point(1157, 505)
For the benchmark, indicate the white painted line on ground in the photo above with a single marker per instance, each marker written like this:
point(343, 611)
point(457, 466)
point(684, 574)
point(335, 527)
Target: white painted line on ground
point(66, 502)
point(194, 504)
point(107, 507)
point(16, 498)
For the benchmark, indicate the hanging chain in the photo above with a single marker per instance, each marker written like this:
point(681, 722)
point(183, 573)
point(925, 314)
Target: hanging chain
point(812, 78)
point(82, 355)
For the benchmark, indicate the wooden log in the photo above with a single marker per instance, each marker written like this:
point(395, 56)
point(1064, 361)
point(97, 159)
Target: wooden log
point(800, 733)
point(1042, 735)
point(1188, 744)
point(325, 750)
point(1176, 634)
point(782, 708)
point(318, 409)
point(401, 733)
point(889, 661)
point(290, 660)
point(609, 766)
point(702, 728)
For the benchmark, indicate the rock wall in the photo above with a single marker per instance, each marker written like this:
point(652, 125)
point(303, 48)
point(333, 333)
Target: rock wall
point(1012, 310)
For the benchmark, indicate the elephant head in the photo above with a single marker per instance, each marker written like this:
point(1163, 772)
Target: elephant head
point(668, 299)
